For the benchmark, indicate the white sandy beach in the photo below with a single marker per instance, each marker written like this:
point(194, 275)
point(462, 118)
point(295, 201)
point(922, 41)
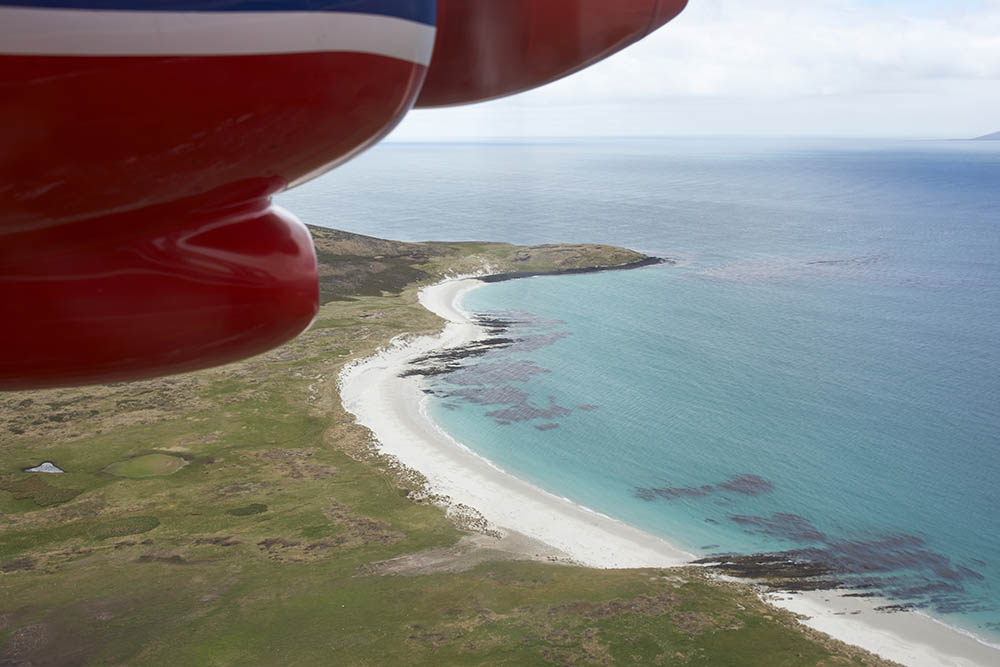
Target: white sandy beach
point(910, 638)
point(394, 409)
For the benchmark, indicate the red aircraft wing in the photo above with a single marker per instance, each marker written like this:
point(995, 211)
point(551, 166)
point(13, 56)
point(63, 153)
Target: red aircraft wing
point(140, 146)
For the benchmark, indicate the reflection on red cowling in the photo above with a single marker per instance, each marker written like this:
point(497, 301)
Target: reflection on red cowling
point(85, 137)
point(491, 48)
point(136, 234)
point(105, 301)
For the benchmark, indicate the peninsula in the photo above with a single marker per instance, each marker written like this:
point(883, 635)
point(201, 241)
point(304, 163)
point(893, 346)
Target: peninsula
point(240, 516)
point(989, 137)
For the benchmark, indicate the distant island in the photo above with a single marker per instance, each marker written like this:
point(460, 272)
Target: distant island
point(989, 137)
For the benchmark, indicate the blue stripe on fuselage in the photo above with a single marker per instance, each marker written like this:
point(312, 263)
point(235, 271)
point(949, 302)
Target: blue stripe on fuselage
point(422, 11)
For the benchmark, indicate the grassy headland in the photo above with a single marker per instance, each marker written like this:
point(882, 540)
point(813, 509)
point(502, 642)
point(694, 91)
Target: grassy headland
point(238, 516)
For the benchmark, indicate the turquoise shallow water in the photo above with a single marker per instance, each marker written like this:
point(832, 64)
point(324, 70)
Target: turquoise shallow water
point(818, 374)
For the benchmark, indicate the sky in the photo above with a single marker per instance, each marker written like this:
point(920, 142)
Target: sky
point(860, 68)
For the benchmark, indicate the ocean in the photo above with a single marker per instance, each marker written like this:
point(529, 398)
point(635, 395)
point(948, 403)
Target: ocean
point(816, 374)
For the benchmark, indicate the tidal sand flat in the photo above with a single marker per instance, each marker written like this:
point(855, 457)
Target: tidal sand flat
point(394, 408)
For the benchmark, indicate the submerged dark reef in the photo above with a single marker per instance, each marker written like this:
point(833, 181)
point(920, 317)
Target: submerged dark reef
point(902, 568)
point(489, 382)
point(747, 485)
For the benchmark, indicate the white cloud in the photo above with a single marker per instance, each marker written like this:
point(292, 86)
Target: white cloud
point(735, 62)
point(784, 47)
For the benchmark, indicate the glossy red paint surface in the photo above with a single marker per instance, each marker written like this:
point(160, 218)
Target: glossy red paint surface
point(85, 137)
point(491, 48)
point(198, 283)
point(136, 234)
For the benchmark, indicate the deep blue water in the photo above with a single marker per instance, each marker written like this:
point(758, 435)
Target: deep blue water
point(819, 373)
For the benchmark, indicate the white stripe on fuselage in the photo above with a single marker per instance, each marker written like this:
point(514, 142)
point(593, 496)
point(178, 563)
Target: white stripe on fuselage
point(83, 32)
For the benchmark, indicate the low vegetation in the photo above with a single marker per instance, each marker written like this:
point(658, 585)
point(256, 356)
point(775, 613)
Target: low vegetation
point(237, 516)
point(148, 465)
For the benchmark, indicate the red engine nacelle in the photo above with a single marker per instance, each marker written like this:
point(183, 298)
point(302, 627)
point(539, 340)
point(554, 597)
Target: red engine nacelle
point(490, 48)
point(139, 150)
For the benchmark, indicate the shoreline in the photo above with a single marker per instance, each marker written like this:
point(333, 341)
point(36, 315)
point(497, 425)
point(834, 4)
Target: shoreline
point(638, 264)
point(908, 637)
point(395, 410)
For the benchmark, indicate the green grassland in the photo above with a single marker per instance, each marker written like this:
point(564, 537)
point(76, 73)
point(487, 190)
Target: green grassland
point(147, 465)
point(232, 517)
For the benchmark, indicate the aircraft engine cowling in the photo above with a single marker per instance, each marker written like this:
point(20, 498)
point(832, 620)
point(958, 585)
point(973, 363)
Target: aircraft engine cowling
point(141, 142)
point(491, 48)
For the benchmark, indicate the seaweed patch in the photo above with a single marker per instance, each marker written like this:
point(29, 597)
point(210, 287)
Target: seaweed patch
point(747, 485)
point(899, 567)
point(782, 525)
point(485, 371)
